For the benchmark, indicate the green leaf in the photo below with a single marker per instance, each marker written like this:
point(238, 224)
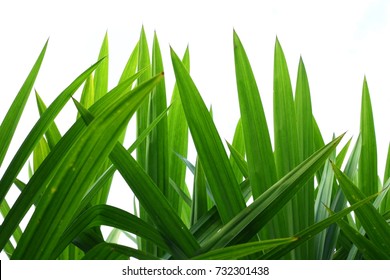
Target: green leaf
point(324, 196)
point(109, 216)
point(40, 152)
point(387, 168)
point(114, 236)
point(342, 154)
point(308, 233)
point(373, 223)
point(219, 173)
point(100, 89)
point(52, 134)
point(304, 115)
point(76, 173)
point(131, 65)
point(101, 181)
point(351, 167)
point(177, 142)
point(368, 170)
point(239, 160)
point(183, 244)
point(286, 138)
point(129, 71)
point(35, 187)
point(157, 164)
point(199, 197)
point(88, 94)
point(386, 203)
point(9, 248)
point(38, 130)
point(286, 145)
point(238, 145)
point(142, 120)
point(101, 73)
point(143, 111)
point(318, 144)
point(249, 221)
point(184, 196)
point(11, 119)
point(261, 165)
point(369, 250)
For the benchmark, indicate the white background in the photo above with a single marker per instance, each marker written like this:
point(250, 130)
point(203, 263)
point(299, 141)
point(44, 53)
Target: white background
point(340, 42)
point(319, 270)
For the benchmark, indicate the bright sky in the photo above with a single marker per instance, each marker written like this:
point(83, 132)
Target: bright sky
point(340, 42)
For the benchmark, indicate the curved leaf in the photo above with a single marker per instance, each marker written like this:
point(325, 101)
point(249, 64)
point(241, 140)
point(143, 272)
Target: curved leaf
point(109, 216)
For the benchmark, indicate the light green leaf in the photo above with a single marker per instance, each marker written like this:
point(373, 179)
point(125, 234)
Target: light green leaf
point(143, 111)
point(101, 73)
point(40, 152)
point(52, 134)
